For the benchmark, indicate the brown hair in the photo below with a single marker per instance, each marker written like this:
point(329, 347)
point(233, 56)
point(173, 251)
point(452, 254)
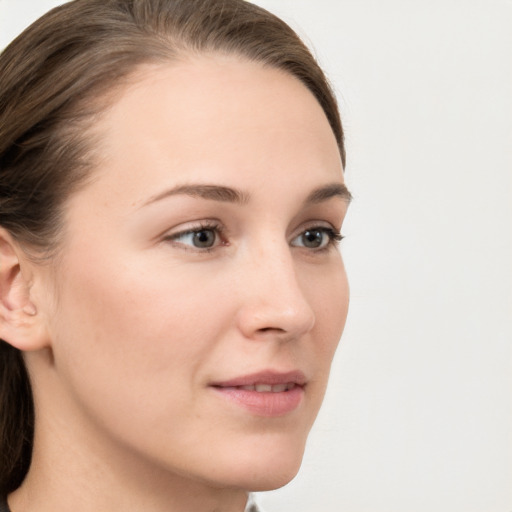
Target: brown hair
point(51, 79)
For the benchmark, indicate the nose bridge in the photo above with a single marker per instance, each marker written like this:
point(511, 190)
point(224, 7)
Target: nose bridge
point(273, 299)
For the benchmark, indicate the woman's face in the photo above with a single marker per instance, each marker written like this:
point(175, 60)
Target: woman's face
point(200, 295)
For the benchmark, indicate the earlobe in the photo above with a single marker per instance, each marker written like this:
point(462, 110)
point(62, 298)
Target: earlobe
point(20, 325)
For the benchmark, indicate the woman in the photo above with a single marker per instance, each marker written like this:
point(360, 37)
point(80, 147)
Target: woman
point(171, 292)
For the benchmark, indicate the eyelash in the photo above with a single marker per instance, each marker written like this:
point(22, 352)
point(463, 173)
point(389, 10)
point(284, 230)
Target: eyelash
point(334, 236)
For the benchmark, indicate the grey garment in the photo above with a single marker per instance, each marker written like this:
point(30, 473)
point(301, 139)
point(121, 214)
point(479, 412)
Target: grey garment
point(3, 505)
point(251, 506)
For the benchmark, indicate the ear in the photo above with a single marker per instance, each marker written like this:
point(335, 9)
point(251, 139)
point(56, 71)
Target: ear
point(20, 323)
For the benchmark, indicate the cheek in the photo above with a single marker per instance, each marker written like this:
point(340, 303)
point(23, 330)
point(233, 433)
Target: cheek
point(329, 295)
point(126, 333)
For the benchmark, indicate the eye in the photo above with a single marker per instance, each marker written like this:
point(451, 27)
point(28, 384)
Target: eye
point(202, 237)
point(317, 238)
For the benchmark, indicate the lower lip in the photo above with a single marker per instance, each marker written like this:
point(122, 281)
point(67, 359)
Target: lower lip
point(266, 404)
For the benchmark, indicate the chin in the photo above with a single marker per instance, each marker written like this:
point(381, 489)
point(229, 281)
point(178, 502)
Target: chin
point(270, 468)
point(272, 480)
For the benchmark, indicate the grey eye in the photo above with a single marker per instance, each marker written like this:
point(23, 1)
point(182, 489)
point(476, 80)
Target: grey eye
point(204, 238)
point(312, 239)
point(200, 238)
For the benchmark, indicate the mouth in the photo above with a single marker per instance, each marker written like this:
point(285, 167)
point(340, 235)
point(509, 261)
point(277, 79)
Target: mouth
point(268, 388)
point(267, 393)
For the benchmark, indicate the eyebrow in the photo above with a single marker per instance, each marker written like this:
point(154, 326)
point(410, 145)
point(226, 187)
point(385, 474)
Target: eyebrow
point(321, 194)
point(232, 195)
point(212, 192)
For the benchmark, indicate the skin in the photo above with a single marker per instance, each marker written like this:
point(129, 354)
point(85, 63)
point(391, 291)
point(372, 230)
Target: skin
point(135, 322)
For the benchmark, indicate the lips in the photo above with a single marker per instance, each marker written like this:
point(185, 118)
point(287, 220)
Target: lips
point(266, 377)
point(266, 393)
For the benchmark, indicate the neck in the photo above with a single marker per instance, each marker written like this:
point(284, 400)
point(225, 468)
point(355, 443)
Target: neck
point(73, 482)
point(82, 484)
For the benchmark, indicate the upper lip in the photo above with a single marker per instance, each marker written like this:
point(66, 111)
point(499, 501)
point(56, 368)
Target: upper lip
point(271, 377)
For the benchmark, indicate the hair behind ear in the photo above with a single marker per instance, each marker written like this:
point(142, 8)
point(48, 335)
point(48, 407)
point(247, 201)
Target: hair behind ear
point(16, 404)
point(16, 419)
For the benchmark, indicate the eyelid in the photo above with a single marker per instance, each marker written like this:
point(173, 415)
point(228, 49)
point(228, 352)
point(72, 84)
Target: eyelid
point(314, 224)
point(193, 225)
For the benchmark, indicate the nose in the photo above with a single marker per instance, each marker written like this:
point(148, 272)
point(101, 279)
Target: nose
point(272, 303)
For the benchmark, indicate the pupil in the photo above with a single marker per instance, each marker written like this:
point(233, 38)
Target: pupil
point(204, 238)
point(312, 239)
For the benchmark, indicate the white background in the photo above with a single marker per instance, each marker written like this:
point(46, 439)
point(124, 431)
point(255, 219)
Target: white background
point(418, 416)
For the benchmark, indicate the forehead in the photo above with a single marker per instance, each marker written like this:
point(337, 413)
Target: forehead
point(216, 115)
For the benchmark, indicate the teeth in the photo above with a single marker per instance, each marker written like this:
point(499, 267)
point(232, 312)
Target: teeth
point(263, 388)
point(268, 388)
